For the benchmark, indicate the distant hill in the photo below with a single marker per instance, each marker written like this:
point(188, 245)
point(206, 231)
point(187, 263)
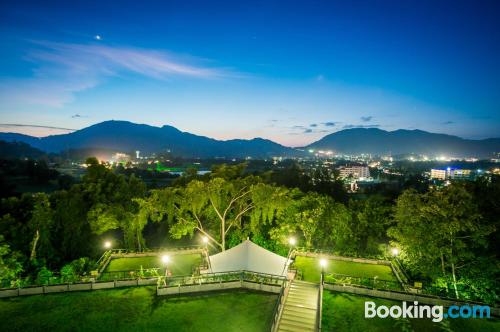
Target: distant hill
point(127, 137)
point(381, 142)
point(19, 150)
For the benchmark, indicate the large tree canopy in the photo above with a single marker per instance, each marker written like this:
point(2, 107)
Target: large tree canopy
point(216, 207)
point(440, 228)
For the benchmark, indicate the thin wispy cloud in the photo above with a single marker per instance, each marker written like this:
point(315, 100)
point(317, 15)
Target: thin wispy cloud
point(62, 69)
point(312, 128)
point(329, 124)
point(350, 126)
point(366, 118)
point(448, 122)
point(33, 126)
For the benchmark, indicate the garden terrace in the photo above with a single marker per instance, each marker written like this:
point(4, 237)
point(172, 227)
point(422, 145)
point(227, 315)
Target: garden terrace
point(311, 270)
point(345, 312)
point(150, 266)
point(139, 309)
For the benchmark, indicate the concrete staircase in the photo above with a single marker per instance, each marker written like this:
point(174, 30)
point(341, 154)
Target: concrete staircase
point(300, 308)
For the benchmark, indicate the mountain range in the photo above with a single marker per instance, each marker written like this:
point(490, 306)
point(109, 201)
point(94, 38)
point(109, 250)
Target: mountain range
point(124, 136)
point(380, 142)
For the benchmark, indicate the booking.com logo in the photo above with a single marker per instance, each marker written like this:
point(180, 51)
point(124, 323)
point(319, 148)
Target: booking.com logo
point(436, 312)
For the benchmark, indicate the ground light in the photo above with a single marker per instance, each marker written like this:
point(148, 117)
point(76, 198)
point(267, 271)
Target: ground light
point(395, 251)
point(107, 244)
point(205, 239)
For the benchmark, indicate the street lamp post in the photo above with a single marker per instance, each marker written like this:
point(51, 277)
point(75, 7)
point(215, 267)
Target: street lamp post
point(107, 245)
point(395, 252)
point(205, 241)
point(165, 259)
point(323, 262)
point(292, 242)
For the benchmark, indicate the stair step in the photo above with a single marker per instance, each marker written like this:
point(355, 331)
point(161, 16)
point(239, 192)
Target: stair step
point(303, 312)
point(298, 305)
point(304, 320)
point(304, 283)
point(305, 292)
point(308, 304)
point(304, 296)
point(304, 286)
point(285, 326)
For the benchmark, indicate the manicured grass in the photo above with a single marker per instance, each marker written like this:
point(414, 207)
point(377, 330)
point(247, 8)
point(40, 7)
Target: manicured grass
point(179, 264)
point(138, 309)
point(311, 269)
point(345, 312)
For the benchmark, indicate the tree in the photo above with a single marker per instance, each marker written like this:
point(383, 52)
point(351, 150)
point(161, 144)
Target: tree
point(40, 224)
point(318, 219)
point(10, 266)
point(112, 203)
point(440, 226)
point(208, 206)
point(371, 219)
point(226, 203)
point(71, 226)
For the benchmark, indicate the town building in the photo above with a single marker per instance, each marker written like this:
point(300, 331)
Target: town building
point(356, 171)
point(450, 173)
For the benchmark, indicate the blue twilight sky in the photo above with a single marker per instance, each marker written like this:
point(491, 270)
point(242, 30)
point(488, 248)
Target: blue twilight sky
point(289, 71)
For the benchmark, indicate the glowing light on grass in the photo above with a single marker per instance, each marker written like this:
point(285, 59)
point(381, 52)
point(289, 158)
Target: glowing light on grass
point(107, 244)
point(395, 251)
point(165, 259)
point(292, 241)
point(204, 239)
point(323, 262)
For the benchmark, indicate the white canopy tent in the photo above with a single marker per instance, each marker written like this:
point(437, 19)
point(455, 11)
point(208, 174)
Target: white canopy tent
point(248, 256)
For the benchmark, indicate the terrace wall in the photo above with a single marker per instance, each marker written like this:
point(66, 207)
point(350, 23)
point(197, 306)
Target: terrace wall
point(87, 286)
point(209, 287)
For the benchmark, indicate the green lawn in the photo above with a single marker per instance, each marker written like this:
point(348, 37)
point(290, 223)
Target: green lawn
point(138, 309)
point(345, 312)
point(179, 265)
point(311, 269)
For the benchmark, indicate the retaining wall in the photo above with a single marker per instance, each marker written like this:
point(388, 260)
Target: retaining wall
point(87, 286)
point(218, 286)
